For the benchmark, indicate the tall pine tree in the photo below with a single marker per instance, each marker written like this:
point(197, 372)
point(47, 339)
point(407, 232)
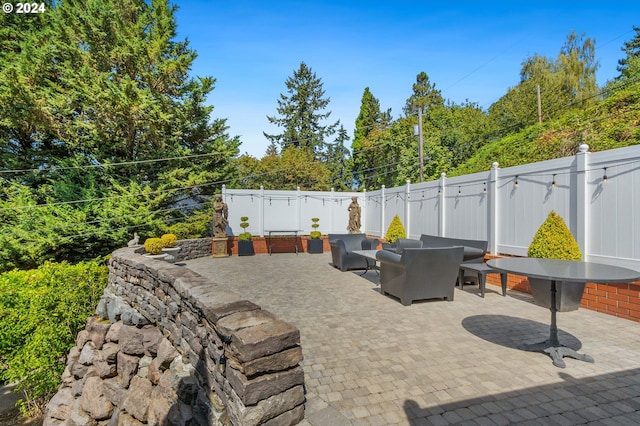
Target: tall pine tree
point(301, 113)
point(367, 154)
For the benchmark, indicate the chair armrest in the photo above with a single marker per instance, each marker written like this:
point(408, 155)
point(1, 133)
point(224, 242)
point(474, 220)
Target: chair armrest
point(369, 244)
point(340, 245)
point(388, 256)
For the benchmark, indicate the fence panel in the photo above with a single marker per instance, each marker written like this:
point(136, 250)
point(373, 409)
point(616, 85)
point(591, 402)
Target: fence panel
point(614, 206)
point(424, 209)
point(315, 204)
point(503, 206)
point(466, 208)
point(395, 203)
point(526, 196)
point(373, 212)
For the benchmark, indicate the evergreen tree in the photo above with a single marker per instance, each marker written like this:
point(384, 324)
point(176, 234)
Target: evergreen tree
point(366, 153)
point(337, 161)
point(300, 113)
point(630, 65)
point(88, 84)
point(425, 95)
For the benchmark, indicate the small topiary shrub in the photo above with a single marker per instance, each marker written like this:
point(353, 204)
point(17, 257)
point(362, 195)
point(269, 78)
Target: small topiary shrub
point(153, 245)
point(244, 224)
point(554, 240)
point(395, 230)
point(168, 240)
point(315, 234)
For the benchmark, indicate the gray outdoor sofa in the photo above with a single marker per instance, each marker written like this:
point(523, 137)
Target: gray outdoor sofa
point(474, 250)
point(342, 247)
point(420, 273)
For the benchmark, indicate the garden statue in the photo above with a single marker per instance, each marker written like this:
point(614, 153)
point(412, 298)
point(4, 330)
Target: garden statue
point(354, 216)
point(135, 241)
point(220, 217)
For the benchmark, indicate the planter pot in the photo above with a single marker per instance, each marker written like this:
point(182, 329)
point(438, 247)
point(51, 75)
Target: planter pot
point(160, 256)
point(568, 295)
point(314, 246)
point(171, 253)
point(245, 248)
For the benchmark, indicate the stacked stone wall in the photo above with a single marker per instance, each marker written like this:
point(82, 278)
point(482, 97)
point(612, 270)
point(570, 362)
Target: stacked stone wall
point(168, 346)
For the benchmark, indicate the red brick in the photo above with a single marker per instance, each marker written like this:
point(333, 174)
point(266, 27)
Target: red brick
point(618, 310)
point(629, 292)
point(618, 297)
point(600, 307)
point(598, 292)
point(629, 306)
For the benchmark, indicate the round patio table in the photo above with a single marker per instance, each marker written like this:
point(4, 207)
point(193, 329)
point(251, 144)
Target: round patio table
point(567, 271)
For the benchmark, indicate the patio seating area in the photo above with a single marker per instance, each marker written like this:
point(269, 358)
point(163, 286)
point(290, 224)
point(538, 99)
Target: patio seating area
point(369, 360)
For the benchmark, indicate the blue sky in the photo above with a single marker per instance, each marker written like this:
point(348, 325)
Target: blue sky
point(470, 50)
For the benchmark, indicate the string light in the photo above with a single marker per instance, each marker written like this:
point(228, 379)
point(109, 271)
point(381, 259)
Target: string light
point(516, 184)
point(459, 190)
point(604, 177)
point(553, 182)
point(484, 189)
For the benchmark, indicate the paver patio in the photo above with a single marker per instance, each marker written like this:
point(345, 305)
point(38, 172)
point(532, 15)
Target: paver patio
point(368, 360)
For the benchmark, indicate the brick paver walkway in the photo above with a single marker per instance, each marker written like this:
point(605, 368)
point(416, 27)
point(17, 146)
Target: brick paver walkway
point(371, 361)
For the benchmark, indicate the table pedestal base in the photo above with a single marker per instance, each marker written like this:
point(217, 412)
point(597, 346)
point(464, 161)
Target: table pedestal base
point(556, 352)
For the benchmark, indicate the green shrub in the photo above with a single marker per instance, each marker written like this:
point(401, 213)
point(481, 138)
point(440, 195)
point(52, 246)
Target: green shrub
point(315, 234)
point(553, 240)
point(153, 245)
point(244, 224)
point(395, 230)
point(41, 312)
point(168, 240)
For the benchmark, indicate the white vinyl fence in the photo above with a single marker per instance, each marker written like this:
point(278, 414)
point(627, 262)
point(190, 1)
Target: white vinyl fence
point(597, 194)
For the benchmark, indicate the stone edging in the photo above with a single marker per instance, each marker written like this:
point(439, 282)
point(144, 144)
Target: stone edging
point(231, 361)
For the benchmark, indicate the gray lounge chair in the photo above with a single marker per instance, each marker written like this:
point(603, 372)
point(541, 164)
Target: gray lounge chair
point(420, 273)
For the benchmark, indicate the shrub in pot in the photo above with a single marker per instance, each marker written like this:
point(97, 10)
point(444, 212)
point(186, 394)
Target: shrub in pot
point(245, 242)
point(394, 231)
point(554, 240)
point(168, 240)
point(315, 238)
point(153, 246)
point(168, 246)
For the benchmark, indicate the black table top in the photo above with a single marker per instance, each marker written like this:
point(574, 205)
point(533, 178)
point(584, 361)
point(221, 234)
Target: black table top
point(565, 270)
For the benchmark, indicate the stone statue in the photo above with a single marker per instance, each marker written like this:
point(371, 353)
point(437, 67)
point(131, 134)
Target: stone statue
point(354, 216)
point(135, 241)
point(220, 217)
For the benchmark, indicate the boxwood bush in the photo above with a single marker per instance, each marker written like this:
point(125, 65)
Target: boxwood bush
point(41, 312)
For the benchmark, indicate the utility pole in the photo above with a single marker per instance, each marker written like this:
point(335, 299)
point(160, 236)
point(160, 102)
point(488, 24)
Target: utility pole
point(420, 143)
point(539, 106)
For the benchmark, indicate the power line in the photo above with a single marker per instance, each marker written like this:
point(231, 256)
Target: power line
point(106, 165)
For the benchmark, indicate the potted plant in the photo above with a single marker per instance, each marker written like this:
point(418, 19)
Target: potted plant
point(168, 246)
point(394, 231)
point(315, 237)
point(553, 240)
point(153, 247)
point(245, 243)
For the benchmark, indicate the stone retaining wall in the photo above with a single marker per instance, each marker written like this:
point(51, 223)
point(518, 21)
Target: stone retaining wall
point(169, 346)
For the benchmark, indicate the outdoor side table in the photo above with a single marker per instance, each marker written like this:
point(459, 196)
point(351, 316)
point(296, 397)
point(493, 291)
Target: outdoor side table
point(482, 270)
point(565, 271)
point(369, 255)
point(281, 232)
